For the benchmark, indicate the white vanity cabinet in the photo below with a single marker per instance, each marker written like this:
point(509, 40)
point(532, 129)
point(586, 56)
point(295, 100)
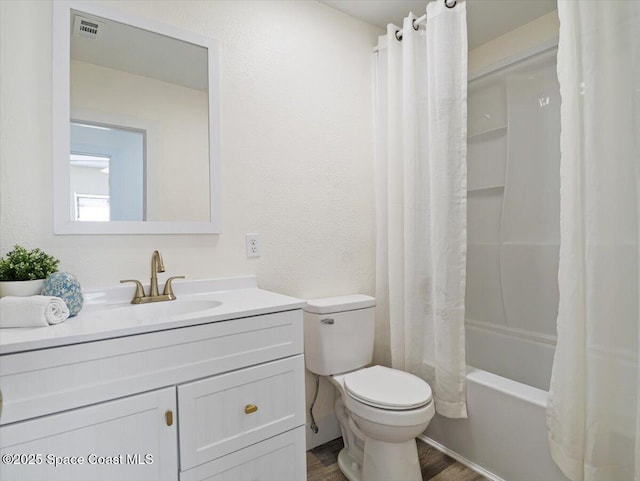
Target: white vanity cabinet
point(219, 400)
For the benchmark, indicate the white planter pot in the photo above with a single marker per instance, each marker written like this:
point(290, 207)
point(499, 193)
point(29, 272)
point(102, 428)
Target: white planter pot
point(21, 288)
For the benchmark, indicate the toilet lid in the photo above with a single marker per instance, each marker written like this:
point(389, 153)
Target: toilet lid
point(386, 388)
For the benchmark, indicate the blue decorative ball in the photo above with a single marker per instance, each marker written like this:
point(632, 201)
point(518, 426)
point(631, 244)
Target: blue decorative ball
point(67, 287)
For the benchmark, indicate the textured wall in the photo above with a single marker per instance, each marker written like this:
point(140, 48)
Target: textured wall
point(297, 150)
point(515, 42)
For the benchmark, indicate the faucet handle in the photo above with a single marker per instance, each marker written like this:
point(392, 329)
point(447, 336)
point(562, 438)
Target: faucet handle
point(139, 289)
point(168, 290)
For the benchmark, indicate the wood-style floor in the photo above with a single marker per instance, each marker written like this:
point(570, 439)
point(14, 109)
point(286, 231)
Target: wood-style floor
point(322, 464)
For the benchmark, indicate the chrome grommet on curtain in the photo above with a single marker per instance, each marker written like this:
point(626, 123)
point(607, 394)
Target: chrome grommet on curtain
point(415, 27)
point(450, 5)
point(398, 37)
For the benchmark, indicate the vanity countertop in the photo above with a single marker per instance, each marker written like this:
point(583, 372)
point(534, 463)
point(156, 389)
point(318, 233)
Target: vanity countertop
point(109, 314)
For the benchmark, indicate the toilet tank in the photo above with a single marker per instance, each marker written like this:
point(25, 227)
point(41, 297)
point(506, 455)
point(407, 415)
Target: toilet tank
point(339, 333)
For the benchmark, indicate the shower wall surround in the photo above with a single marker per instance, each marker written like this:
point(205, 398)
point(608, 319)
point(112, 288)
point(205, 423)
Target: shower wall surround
point(507, 417)
point(513, 219)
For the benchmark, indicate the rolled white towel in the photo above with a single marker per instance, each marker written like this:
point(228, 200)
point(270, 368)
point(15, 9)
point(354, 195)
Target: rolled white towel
point(32, 311)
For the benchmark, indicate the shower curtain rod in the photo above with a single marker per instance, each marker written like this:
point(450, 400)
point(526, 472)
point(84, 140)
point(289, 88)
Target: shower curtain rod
point(416, 22)
point(423, 20)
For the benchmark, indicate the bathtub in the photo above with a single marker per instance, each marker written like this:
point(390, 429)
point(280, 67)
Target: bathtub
point(505, 436)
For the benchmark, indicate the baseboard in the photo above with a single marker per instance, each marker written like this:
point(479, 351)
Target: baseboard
point(328, 430)
point(461, 459)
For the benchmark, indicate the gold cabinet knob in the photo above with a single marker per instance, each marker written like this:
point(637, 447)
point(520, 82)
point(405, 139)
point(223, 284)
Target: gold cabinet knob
point(168, 417)
point(250, 408)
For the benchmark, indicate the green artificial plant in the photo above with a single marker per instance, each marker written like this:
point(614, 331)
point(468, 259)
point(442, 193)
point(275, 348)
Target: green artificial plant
point(21, 264)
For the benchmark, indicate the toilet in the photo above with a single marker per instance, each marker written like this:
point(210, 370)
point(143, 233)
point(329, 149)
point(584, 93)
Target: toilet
point(380, 410)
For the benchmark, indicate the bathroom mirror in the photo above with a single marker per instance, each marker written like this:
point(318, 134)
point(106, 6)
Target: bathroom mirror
point(135, 125)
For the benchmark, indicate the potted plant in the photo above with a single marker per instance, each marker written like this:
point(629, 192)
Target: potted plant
point(23, 272)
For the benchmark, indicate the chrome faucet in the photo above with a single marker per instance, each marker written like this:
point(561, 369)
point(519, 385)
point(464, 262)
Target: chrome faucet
point(154, 296)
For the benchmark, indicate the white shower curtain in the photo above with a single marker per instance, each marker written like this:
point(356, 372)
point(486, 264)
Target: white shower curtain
point(420, 97)
point(593, 410)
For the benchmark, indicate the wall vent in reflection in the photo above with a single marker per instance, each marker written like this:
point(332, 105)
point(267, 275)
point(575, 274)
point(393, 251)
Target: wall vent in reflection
point(85, 27)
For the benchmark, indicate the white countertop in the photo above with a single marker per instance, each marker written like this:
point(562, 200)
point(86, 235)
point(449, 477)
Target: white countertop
point(109, 313)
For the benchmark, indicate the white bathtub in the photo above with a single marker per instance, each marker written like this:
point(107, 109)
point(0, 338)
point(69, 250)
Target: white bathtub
point(525, 357)
point(505, 436)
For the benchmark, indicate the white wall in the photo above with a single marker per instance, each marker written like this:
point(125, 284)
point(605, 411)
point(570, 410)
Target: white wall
point(516, 41)
point(297, 150)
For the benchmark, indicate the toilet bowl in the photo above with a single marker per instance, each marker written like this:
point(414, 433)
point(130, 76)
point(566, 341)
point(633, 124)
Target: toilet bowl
point(386, 422)
point(380, 410)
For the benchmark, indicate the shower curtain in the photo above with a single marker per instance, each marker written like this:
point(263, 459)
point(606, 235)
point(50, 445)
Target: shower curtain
point(420, 114)
point(593, 410)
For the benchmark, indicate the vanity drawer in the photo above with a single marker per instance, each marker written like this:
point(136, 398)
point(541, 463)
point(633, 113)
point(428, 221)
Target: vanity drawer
point(281, 458)
point(42, 382)
point(225, 413)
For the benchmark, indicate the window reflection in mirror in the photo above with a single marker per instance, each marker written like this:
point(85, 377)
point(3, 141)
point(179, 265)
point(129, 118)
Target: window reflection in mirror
point(107, 172)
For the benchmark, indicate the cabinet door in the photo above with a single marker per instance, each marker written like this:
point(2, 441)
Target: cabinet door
point(281, 458)
point(221, 414)
point(126, 439)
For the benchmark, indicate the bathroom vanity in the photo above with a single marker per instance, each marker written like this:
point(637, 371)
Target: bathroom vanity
point(210, 386)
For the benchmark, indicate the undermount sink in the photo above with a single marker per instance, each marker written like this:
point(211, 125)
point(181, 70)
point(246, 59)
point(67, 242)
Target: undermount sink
point(161, 310)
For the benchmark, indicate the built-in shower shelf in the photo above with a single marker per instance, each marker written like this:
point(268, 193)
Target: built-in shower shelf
point(483, 133)
point(485, 188)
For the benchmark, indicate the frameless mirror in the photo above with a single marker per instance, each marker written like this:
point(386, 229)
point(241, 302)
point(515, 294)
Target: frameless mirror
point(136, 131)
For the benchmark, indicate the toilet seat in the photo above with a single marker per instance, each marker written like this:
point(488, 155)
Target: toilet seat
point(388, 389)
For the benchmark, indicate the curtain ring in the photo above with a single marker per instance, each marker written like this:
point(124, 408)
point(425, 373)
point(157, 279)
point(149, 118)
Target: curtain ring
point(398, 38)
point(446, 4)
point(415, 27)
